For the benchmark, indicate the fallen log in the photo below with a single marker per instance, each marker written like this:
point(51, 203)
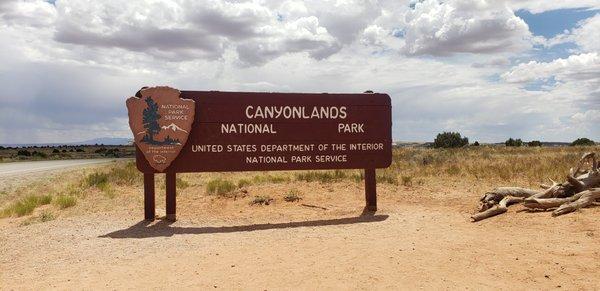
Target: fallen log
point(548, 203)
point(579, 191)
point(493, 197)
point(499, 208)
point(587, 198)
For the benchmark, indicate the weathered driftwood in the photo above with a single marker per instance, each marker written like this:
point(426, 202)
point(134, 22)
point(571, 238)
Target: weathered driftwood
point(548, 203)
point(499, 208)
point(587, 198)
point(579, 191)
point(494, 197)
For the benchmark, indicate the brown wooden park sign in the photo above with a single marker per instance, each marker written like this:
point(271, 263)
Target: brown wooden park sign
point(212, 131)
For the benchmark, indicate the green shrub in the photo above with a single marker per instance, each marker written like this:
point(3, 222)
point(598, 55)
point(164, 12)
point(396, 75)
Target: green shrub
point(96, 179)
point(219, 187)
point(65, 201)
point(262, 200)
point(292, 196)
point(125, 175)
point(243, 183)
point(44, 199)
point(46, 216)
point(358, 177)
point(321, 176)
point(534, 143)
point(407, 181)
point(181, 183)
point(26, 205)
point(513, 142)
point(583, 142)
point(267, 178)
point(450, 140)
point(387, 177)
point(120, 175)
point(107, 190)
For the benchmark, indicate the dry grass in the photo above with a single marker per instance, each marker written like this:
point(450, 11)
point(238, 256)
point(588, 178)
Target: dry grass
point(269, 178)
point(26, 205)
point(65, 201)
point(243, 183)
point(492, 163)
point(118, 175)
point(323, 176)
point(121, 183)
point(181, 183)
point(64, 190)
point(220, 187)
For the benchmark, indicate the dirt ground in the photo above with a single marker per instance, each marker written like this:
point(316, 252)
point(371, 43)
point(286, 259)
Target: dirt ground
point(421, 237)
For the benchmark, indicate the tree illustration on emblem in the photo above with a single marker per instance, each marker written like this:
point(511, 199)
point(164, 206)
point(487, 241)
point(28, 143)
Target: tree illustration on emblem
point(150, 121)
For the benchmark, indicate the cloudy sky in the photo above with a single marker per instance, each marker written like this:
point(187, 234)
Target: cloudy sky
point(490, 69)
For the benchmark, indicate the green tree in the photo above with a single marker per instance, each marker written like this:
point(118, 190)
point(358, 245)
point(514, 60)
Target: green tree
point(583, 142)
point(513, 142)
point(534, 143)
point(150, 119)
point(450, 140)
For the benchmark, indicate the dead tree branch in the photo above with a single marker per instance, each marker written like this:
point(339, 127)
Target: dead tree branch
point(581, 189)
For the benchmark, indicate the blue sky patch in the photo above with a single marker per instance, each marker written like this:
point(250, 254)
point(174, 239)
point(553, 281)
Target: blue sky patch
point(551, 23)
point(397, 32)
point(559, 51)
point(541, 84)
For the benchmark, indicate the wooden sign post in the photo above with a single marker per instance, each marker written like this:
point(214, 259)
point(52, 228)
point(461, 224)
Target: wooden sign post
point(211, 131)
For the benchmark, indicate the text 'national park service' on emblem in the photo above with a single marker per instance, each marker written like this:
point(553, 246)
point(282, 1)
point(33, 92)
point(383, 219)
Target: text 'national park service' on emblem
point(161, 122)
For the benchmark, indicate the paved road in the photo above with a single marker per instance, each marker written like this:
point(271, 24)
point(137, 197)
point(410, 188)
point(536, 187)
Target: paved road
point(24, 168)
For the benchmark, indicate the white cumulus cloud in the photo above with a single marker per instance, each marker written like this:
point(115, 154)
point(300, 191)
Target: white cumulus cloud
point(463, 26)
point(574, 68)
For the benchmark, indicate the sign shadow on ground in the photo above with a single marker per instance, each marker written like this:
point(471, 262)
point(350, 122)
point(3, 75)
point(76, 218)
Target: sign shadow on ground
point(163, 228)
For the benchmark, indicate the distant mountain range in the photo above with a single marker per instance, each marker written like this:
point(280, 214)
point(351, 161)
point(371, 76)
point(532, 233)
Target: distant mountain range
point(99, 141)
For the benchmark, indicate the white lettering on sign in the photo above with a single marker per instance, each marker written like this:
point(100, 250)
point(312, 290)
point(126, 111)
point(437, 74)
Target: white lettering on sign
point(207, 148)
point(301, 159)
point(287, 147)
point(175, 111)
point(291, 153)
point(266, 160)
point(247, 128)
point(241, 148)
point(351, 127)
point(330, 159)
point(295, 112)
point(366, 146)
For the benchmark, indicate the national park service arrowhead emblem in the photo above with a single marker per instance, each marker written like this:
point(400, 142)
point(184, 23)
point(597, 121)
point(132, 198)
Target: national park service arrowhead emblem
point(161, 122)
